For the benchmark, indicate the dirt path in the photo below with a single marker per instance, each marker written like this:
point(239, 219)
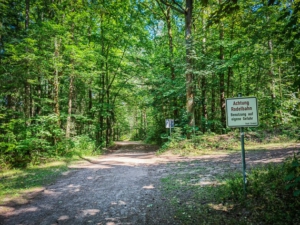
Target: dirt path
point(122, 188)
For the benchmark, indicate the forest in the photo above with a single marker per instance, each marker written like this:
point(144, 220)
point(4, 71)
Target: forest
point(81, 74)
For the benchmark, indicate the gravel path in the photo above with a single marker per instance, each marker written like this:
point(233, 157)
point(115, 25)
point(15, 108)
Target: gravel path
point(121, 188)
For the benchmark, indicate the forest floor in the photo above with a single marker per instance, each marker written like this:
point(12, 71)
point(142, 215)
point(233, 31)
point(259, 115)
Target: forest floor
point(123, 187)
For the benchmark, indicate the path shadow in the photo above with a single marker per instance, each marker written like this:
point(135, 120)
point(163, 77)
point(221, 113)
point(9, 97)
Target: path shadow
point(119, 189)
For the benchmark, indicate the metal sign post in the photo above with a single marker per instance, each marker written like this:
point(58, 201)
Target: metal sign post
point(243, 159)
point(242, 112)
point(243, 156)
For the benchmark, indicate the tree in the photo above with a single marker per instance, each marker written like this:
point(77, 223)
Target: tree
point(187, 11)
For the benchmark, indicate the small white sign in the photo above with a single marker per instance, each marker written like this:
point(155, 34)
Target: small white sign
point(169, 123)
point(242, 112)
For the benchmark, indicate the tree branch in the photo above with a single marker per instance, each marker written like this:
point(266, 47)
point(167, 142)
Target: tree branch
point(149, 8)
point(161, 8)
point(178, 8)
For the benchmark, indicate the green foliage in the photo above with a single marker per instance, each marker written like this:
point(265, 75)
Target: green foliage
point(83, 145)
point(32, 144)
point(71, 71)
point(174, 141)
point(14, 182)
point(272, 195)
point(293, 175)
point(199, 143)
point(209, 142)
point(40, 142)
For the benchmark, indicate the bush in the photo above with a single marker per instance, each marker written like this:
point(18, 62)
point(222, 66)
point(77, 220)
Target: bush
point(83, 145)
point(39, 141)
point(272, 193)
point(293, 176)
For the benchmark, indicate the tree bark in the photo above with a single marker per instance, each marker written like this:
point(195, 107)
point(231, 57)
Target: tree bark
point(69, 118)
point(204, 106)
point(189, 68)
point(230, 69)
point(272, 76)
point(71, 90)
point(213, 102)
point(171, 48)
point(39, 93)
point(27, 109)
point(171, 56)
point(222, 76)
point(230, 74)
point(27, 10)
point(189, 78)
point(100, 129)
point(56, 78)
point(203, 78)
point(90, 102)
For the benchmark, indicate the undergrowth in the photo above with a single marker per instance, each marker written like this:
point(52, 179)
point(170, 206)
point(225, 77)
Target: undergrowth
point(31, 152)
point(14, 182)
point(210, 143)
point(272, 196)
point(41, 167)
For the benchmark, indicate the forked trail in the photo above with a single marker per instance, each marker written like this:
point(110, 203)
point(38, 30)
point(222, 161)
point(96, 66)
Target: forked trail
point(122, 187)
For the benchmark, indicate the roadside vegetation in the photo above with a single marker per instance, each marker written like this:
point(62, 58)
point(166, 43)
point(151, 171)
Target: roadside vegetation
point(273, 190)
point(211, 143)
point(15, 183)
point(33, 152)
point(104, 71)
point(272, 196)
point(22, 175)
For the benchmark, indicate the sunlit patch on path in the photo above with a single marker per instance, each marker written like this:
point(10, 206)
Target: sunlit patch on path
point(124, 187)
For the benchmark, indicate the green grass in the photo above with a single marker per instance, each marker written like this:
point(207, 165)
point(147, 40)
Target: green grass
point(268, 200)
point(221, 144)
point(17, 181)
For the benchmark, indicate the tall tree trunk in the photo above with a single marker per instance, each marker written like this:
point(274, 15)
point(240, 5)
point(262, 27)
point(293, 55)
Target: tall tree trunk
point(189, 65)
point(39, 94)
point(26, 83)
point(69, 119)
point(230, 74)
point(230, 69)
point(213, 102)
point(107, 108)
point(71, 90)
point(27, 101)
point(171, 47)
point(57, 43)
point(99, 132)
point(99, 138)
point(90, 102)
point(280, 94)
point(27, 10)
point(204, 106)
point(108, 121)
point(145, 121)
point(203, 78)
point(272, 76)
point(171, 56)
point(189, 78)
point(222, 76)
point(10, 101)
point(90, 92)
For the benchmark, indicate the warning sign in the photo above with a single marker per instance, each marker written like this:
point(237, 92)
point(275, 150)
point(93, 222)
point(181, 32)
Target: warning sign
point(242, 112)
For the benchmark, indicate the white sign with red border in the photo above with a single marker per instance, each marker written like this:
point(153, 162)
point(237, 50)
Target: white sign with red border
point(242, 112)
